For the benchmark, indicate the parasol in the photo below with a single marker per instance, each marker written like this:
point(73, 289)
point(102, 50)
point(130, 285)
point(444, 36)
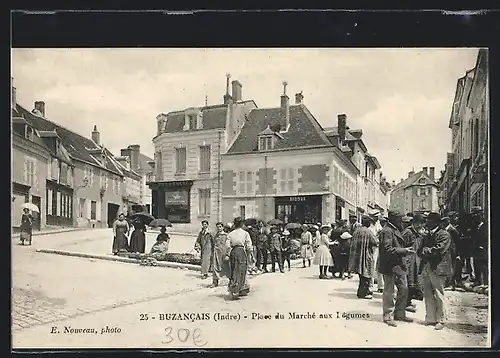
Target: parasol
point(275, 222)
point(30, 206)
point(160, 222)
point(293, 226)
point(143, 217)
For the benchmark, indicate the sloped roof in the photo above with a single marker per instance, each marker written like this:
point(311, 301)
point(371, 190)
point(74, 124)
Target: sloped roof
point(412, 180)
point(304, 130)
point(214, 117)
point(77, 146)
point(143, 162)
point(334, 132)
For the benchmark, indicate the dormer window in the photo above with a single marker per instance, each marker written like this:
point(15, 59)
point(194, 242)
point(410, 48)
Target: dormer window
point(421, 181)
point(266, 143)
point(192, 121)
point(29, 133)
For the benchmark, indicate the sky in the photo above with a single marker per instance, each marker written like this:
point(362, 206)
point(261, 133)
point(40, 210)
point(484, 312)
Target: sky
point(400, 98)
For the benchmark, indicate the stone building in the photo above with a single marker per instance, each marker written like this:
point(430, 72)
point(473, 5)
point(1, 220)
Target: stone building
point(418, 193)
point(187, 180)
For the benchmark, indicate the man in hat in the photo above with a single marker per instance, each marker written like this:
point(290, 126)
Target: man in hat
point(405, 222)
point(392, 251)
point(413, 238)
point(353, 224)
point(479, 236)
point(455, 242)
point(435, 267)
point(262, 247)
point(361, 256)
point(275, 249)
point(375, 228)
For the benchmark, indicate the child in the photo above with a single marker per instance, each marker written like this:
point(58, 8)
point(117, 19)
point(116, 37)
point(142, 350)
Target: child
point(286, 247)
point(343, 253)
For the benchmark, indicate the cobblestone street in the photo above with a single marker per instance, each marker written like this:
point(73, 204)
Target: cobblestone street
point(54, 291)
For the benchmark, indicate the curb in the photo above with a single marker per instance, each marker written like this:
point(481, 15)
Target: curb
point(119, 259)
point(49, 232)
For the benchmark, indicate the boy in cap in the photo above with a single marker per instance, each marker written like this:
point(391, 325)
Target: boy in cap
point(285, 248)
point(435, 267)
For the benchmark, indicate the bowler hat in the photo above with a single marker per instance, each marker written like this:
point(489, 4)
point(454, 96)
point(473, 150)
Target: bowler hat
point(393, 214)
point(476, 210)
point(418, 218)
point(406, 219)
point(374, 212)
point(434, 217)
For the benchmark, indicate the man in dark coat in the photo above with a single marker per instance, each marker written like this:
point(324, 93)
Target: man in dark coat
point(455, 244)
point(435, 268)
point(413, 238)
point(262, 247)
point(275, 249)
point(479, 236)
point(353, 224)
point(392, 251)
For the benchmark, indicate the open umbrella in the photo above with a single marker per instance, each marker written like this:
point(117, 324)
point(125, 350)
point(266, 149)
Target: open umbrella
point(251, 222)
point(143, 217)
point(293, 226)
point(30, 206)
point(275, 222)
point(160, 222)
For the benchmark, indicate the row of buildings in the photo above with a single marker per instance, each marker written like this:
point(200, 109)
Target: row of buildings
point(234, 159)
point(74, 180)
point(464, 181)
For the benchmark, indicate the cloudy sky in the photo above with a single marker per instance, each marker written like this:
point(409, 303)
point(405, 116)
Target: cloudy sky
point(400, 98)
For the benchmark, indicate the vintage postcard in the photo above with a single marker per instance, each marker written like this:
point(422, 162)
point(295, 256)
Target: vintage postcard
point(250, 198)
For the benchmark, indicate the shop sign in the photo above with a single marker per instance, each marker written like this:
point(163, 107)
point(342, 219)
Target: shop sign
point(177, 197)
point(292, 198)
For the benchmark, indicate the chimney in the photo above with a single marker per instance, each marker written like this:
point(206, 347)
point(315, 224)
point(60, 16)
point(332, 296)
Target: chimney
point(236, 85)
point(135, 149)
point(227, 97)
point(40, 106)
point(342, 126)
point(393, 183)
point(424, 169)
point(410, 173)
point(432, 171)
point(96, 136)
point(13, 92)
point(285, 108)
point(299, 97)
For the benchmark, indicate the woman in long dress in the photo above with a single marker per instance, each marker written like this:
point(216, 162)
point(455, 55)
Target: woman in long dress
point(323, 257)
point(239, 242)
point(26, 227)
point(138, 238)
point(120, 231)
point(306, 250)
point(218, 253)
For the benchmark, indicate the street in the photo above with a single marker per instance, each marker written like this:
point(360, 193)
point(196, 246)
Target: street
point(55, 297)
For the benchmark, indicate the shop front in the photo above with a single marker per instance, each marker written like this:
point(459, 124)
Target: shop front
point(298, 209)
point(59, 204)
point(171, 200)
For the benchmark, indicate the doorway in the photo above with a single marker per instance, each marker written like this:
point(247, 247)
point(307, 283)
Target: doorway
point(112, 213)
point(37, 216)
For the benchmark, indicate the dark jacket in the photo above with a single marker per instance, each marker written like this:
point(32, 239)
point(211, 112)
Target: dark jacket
point(262, 239)
point(391, 251)
point(455, 241)
point(480, 241)
point(274, 242)
point(435, 250)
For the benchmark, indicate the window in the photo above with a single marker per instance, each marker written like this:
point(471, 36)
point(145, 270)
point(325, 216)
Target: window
point(180, 160)
point(93, 210)
point(242, 211)
point(204, 203)
point(29, 172)
point(205, 159)
point(287, 177)
point(49, 201)
point(58, 204)
point(476, 138)
point(29, 133)
point(246, 182)
point(81, 208)
point(89, 174)
point(266, 143)
point(192, 121)
point(423, 191)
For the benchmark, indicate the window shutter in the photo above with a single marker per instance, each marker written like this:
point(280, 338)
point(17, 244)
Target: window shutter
point(98, 211)
point(35, 176)
point(87, 209)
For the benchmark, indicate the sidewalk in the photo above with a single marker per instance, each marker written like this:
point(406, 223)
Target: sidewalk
point(55, 231)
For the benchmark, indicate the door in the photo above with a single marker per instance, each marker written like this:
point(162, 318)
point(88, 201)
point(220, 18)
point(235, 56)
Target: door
point(112, 213)
point(36, 216)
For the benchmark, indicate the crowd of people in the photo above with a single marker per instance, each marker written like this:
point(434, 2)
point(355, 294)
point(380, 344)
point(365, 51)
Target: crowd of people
point(418, 254)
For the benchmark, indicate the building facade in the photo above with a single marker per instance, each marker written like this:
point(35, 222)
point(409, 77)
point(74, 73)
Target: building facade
point(418, 193)
point(285, 165)
point(131, 187)
point(186, 184)
point(466, 168)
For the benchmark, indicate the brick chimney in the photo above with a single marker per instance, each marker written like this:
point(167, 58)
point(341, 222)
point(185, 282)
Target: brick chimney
point(299, 97)
point(13, 92)
point(432, 171)
point(342, 126)
point(135, 149)
point(410, 173)
point(285, 108)
point(236, 85)
point(40, 106)
point(96, 136)
point(227, 97)
point(424, 169)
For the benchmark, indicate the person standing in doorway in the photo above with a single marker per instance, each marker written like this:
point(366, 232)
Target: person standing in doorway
point(392, 251)
point(203, 245)
point(275, 249)
point(375, 228)
point(435, 267)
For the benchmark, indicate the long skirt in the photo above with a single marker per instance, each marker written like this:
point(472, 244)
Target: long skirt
point(238, 264)
point(323, 256)
point(120, 242)
point(306, 252)
point(138, 241)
